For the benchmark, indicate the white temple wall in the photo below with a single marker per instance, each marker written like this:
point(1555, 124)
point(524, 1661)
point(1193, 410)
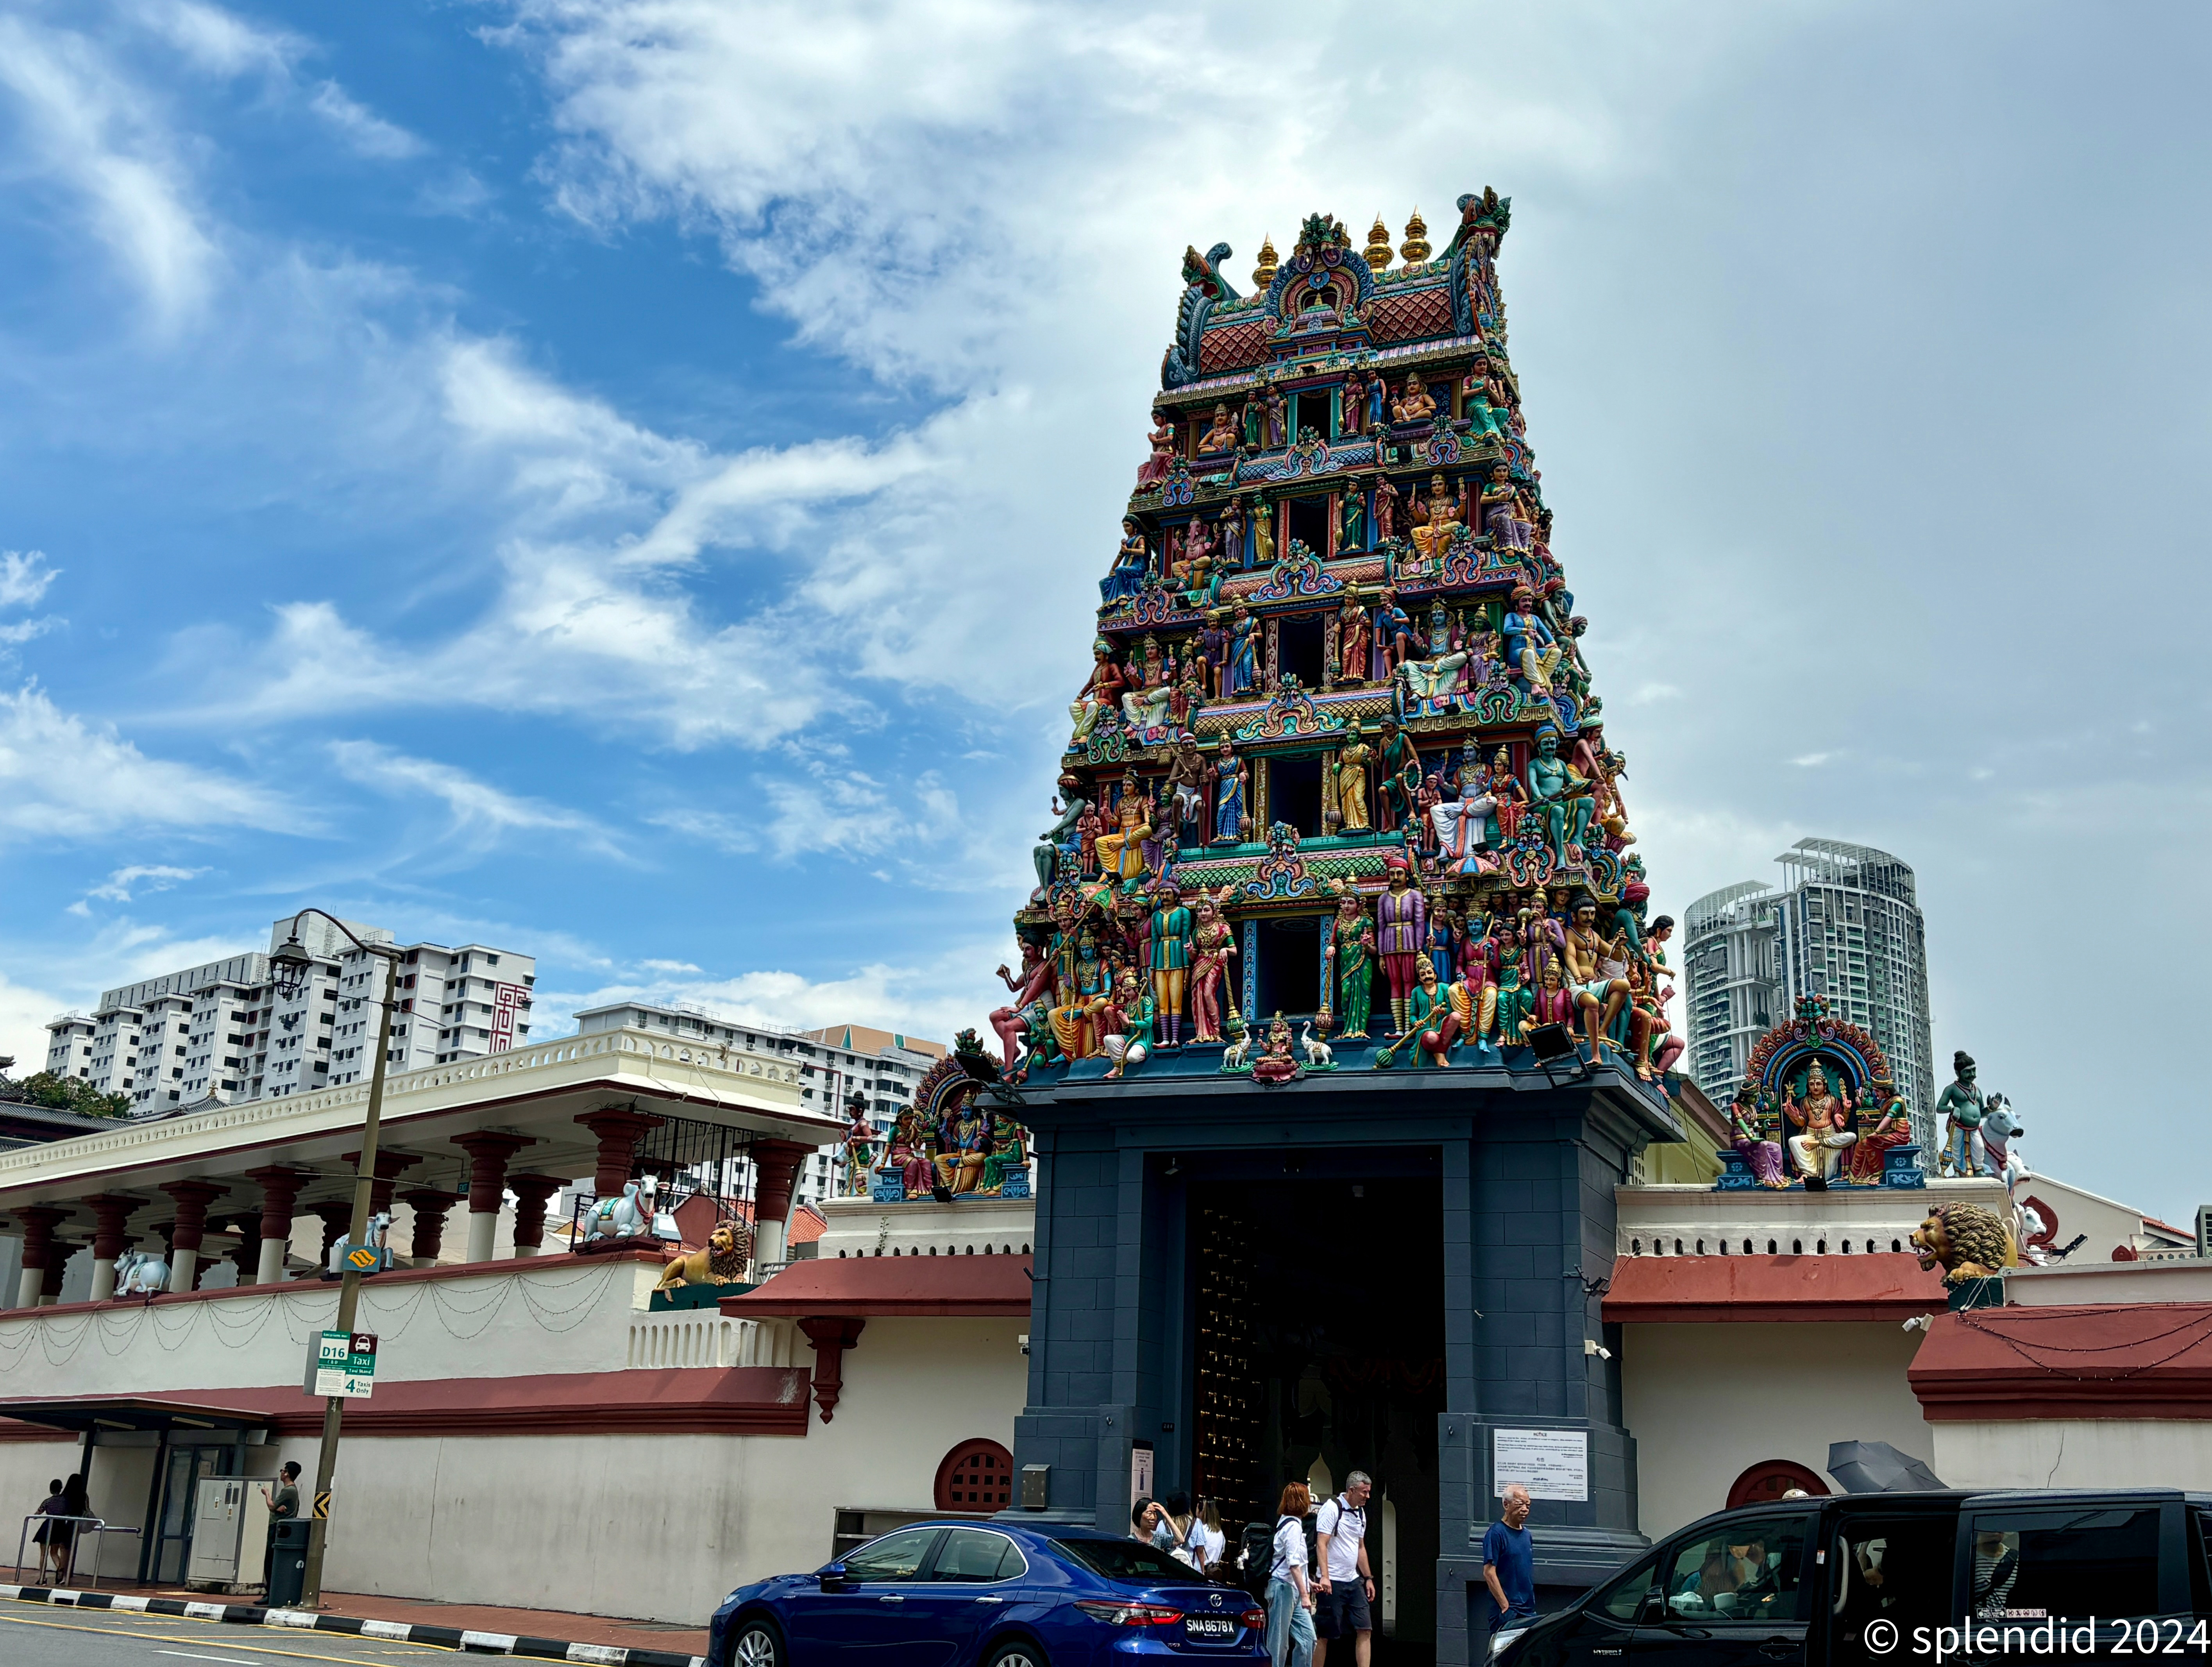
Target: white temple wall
point(1706, 1402)
point(2075, 1452)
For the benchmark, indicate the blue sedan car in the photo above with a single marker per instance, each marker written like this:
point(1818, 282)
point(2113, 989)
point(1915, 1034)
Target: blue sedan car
point(972, 1594)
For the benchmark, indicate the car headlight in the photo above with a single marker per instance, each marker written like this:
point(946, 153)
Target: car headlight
point(1500, 1641)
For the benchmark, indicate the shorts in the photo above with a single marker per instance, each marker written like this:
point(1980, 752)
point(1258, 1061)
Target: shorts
point(1342, 1609)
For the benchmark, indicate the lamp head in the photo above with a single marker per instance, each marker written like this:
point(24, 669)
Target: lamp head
point(289, 964)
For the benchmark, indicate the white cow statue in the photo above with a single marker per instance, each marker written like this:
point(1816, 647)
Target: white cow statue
point(140, 1273)
point(635, 1214)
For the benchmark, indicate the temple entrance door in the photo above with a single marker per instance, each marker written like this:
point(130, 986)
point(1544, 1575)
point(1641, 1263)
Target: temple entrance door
point(1318, 1344)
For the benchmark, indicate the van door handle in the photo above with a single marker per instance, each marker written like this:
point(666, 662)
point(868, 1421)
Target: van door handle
point(990, 1600)
point(1781, 1649)
point(891, 1598)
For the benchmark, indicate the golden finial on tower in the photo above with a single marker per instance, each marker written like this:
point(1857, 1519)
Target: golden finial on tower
point(1378, 244)
point(1264, 273)
point(1415, 248)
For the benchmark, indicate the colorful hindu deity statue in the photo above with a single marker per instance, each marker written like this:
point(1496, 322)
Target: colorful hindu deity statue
point(1751, 1133)
point(1010, 1154)
point(1276, 1064)
point(1825, 1119)
point(1122, 853)
point(1221, 437)
point(1429, 1017)
point(1892, 1127)
point(1101, 692)
point(1188, 776)
point(1354, 639)
point(1436, 521)
point(1560, 797)
point(1171, 956)
point(1401, 915)
point(1229, 818)
point(1351, 519)
point(1243, 653)
point(1414, 404)
point(1350, 957)
point(1213, 943)
point(1125, 1026)
point(1399, 764)
point(1348, 789)
point(1597, 972)
point(1960, 1106)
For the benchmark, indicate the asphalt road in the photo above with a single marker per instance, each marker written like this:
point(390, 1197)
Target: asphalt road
point(36, 1636)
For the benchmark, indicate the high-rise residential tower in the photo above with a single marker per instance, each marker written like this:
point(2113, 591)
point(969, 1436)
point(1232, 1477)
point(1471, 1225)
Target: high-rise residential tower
point(1845, 925)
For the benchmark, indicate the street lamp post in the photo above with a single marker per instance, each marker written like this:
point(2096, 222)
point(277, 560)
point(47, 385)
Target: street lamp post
point(291, 961)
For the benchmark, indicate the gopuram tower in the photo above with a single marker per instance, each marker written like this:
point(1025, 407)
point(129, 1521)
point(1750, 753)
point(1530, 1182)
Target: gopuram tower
point(1339, 1014)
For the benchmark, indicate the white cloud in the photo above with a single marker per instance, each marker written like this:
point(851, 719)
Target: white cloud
point(362, 128)
point(120, 885)
point(481, 813)
point(24, 1011)
point(87, 128)
point(64, 778)
point(24, 576)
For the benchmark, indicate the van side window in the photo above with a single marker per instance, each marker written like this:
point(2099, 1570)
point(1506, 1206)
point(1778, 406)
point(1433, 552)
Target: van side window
point(1624, 1599)
point(1893, 1569)
point(2091, 1559)
point(1744, 1572)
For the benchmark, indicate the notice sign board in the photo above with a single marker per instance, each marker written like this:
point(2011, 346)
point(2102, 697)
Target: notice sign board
point(1140, 1472)
point(1552, 1464)
point(344, 1364)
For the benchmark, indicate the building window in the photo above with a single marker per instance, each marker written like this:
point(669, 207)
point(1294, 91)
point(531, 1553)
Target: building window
point(975, 1476)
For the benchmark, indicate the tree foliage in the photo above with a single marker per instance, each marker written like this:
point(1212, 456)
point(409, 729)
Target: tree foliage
point(65, 1094)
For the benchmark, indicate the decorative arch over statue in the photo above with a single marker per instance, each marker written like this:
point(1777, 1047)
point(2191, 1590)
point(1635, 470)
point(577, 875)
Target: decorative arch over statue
point(1769, 1479)
point(975, 1476)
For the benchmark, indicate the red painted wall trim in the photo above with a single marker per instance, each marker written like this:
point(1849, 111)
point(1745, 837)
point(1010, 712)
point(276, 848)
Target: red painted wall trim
point(1740, 1289)
point(671, 1401)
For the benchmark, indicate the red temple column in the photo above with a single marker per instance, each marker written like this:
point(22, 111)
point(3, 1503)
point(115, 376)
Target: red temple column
point(192, 1199)
point(37, 1222)
point(110, 1231)
point(388, 1166)
point(337, 1216)
point(280, 1198)
point(829, 1339)
point(489, 1152)
point(429, 1205)
point(775, 1172)
point(532, 1194)
point(618, 1132)
point(57, 1270)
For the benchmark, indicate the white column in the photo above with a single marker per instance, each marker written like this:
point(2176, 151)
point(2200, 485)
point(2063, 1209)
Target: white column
point(269, 1270)
point(768, 1242)
point(28, 1285)
point(483, 1230)
point(182, 1266)
point(103, 1278)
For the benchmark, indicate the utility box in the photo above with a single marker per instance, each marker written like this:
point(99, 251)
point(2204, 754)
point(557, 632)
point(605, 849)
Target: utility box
point(287, 1562)
point(219, 1516)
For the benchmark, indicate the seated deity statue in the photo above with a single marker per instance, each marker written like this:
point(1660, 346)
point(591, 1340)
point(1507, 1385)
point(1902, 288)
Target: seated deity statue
point(1221, 437)
point(1415, 405)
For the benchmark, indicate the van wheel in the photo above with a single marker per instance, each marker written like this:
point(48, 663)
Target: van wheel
point(1020, 1652)
point(757, 1646)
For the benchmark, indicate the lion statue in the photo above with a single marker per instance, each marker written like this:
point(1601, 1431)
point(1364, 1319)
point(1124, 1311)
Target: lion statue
point(722, 1263)
point(1966, 1241)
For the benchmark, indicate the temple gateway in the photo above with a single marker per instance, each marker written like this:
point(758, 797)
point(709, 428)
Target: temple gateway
point(1339, 1015)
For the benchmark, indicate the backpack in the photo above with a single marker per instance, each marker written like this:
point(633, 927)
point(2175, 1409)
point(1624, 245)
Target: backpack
point(1255, 1557)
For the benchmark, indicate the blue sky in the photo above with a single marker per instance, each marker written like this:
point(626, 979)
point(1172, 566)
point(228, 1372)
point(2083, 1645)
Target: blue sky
point(623, 481)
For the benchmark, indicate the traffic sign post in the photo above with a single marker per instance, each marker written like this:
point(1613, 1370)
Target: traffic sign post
point(343, 1364)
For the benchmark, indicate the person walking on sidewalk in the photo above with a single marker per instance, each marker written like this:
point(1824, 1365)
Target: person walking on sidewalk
point(1290, 1600)
point(1508, 1562)
point(1346, 1585)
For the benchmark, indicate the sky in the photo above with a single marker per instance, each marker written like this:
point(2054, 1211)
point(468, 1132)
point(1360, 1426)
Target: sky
point(624, 482)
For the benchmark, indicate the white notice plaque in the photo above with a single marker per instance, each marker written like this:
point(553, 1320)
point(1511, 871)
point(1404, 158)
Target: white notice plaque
point(1552, 1464)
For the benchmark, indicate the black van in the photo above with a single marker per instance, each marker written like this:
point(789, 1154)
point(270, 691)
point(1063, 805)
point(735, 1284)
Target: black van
point(1863, 1578)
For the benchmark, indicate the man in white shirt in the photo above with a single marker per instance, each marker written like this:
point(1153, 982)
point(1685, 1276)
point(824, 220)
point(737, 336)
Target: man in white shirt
point(1346, 1585)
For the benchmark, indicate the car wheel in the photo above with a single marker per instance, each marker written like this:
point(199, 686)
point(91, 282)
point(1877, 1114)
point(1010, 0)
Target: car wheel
point(1019, 1652)
point(757, 1646)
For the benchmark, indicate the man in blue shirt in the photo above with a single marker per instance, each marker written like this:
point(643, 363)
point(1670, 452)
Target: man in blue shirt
point(1509, 1563)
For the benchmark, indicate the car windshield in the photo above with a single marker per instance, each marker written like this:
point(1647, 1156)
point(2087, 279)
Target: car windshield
point(1126, 1560)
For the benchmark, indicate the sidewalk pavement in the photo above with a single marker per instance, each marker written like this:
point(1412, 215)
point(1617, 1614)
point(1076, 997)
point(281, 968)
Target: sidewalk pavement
point(602, 1640)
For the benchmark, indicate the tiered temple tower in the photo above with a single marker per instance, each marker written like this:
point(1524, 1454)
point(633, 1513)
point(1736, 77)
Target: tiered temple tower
point(1341, 1014)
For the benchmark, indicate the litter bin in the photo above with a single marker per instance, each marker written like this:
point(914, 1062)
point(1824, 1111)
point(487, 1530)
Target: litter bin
point(288, 1561)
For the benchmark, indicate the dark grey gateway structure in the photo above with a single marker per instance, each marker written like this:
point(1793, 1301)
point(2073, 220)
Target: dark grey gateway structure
point(1338, 718)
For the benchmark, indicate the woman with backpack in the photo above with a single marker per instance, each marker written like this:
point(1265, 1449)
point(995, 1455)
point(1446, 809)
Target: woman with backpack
point(1290, 1599)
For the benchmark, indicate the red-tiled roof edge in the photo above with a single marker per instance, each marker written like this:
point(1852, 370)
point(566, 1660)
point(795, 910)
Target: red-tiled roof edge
point(983, 1286)
point(1738, 1289)
point(2131, 1360)
point(806, 1225)
point(734, 1400)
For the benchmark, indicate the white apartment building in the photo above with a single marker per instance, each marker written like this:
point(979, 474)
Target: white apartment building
point(453, 1004)
point(833, 1062)
point(223, 1031)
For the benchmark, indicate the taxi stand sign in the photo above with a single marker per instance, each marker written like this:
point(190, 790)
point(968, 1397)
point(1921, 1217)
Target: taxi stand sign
point(343, 1364)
